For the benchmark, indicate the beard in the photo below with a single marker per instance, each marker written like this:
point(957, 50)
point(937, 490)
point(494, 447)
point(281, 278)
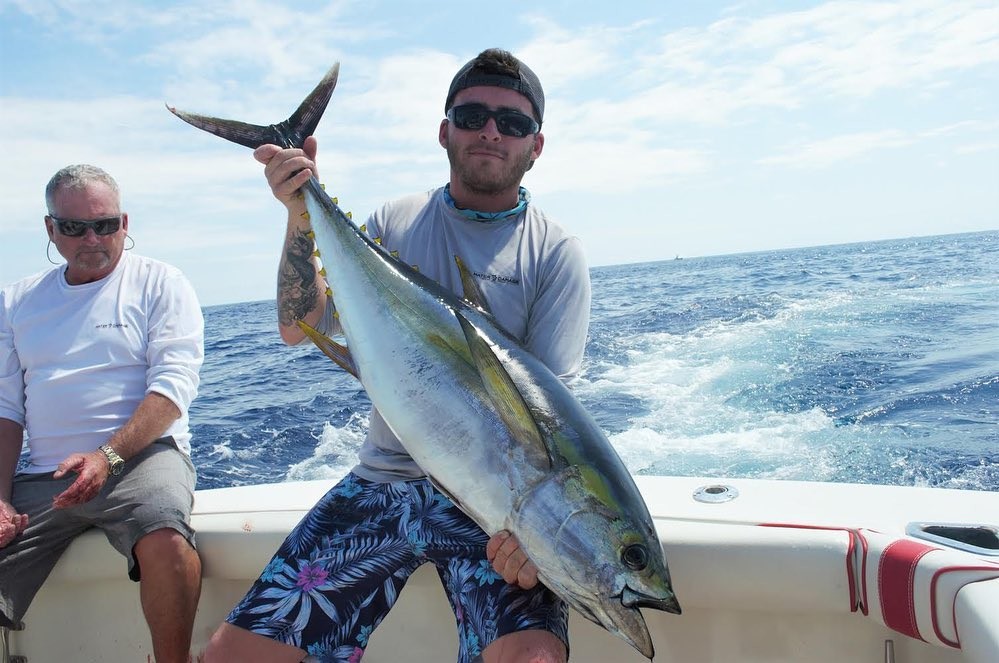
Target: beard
point(93, 259)
point(493, 177)
point(85, 265)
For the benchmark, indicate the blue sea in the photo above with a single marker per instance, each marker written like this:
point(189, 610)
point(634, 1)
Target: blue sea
point(861, 363)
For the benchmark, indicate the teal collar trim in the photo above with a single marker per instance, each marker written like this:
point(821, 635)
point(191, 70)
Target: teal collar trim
point(525, 197)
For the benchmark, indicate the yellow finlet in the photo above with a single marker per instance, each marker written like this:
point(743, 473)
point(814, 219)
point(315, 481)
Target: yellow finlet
point(305, 215)
point(364, 228)
point(322, 272)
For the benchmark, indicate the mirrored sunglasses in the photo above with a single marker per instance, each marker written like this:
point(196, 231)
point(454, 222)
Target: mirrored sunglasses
point(472, 117)
point(77, 227)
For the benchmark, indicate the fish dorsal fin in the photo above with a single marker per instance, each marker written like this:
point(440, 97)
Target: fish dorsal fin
point(473, 294)
point(338, 353)
point(505, 396)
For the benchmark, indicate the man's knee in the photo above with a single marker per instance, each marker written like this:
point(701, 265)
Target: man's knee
point(232, 643)
point(162, 545)
point(534, 646)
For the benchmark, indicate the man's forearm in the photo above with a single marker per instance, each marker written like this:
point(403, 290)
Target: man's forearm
point(149, 421)
point(298, 290)
point(301, 292)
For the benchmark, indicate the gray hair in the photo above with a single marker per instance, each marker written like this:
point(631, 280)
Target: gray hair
point(78, 176)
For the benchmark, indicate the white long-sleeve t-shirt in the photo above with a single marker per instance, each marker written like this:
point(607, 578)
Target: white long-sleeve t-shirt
point(76, 360)
point(531, 271)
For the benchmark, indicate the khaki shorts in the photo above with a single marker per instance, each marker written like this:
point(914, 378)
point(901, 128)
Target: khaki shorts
point(155, 491)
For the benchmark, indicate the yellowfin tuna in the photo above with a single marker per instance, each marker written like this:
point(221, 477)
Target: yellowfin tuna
point(491, 426)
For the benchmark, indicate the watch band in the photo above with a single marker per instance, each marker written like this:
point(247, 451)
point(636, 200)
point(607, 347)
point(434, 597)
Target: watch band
point(115, 462)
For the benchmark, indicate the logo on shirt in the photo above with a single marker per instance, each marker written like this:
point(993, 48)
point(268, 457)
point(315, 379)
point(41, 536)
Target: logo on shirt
point(112, 325)
point(496, 278)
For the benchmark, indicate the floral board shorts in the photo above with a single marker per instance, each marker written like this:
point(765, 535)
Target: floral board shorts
point(342, 568)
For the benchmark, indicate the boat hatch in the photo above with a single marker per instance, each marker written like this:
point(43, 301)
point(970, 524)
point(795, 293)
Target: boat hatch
point(716, 493)
point(977, 539)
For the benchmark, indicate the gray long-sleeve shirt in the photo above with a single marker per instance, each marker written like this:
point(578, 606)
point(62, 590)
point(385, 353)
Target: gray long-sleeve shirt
point(533, 276)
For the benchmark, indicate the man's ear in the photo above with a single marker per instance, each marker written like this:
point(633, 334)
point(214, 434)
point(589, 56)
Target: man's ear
point(442, 133)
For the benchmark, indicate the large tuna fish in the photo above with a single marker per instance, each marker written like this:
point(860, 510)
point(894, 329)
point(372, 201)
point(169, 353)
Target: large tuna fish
point(489, 423)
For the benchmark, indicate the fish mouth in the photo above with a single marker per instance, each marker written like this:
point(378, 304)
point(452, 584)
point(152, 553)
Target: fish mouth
point(632, 599)
point(627, 623)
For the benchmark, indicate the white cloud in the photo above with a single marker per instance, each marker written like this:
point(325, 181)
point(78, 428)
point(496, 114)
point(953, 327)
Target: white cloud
point(826, 152)
point(671, 111)
point(593, 165)
point(845, 49)
point(977, 148)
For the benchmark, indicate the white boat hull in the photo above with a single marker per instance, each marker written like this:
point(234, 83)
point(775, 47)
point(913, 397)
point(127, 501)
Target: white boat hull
point(749, 592)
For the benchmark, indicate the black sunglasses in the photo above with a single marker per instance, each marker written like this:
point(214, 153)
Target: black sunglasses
point(76, 227)
point(472, 117)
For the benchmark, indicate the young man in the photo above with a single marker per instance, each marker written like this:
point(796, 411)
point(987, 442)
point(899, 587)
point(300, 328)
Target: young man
point(313, 598)
point(99, 362)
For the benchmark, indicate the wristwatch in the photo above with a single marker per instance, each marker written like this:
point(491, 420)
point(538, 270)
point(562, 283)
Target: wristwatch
point(116, 462)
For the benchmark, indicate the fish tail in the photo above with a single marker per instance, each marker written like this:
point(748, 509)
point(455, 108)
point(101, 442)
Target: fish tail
point(289, 133)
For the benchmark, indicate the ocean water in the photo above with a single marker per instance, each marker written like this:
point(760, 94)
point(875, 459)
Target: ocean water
point(862, 363)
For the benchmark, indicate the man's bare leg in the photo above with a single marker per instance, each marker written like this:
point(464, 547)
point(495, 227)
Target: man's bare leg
point(232, 644)
point(169, 590)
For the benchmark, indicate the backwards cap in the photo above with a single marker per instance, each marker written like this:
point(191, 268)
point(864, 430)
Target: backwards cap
point(495, 67)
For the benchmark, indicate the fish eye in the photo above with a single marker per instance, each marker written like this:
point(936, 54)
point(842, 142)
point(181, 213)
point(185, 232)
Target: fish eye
point(635, 557)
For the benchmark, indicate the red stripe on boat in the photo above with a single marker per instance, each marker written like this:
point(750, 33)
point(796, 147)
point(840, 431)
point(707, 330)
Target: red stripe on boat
point(896, 574)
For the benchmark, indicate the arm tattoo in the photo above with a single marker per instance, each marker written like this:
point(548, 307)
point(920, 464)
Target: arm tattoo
point(297, 291)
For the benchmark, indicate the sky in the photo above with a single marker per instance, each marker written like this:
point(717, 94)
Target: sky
point(671, 128)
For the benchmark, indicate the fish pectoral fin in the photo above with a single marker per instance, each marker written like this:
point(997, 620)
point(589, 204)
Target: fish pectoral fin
point(338, 353)
point(472, 293)
point(505, 396)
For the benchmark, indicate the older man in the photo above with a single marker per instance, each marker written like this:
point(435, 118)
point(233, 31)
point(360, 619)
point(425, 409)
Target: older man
point(99, 362)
